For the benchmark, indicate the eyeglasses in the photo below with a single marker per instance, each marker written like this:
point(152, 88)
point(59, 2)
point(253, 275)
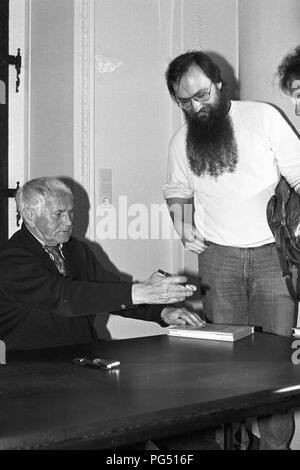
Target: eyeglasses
point(200, 97)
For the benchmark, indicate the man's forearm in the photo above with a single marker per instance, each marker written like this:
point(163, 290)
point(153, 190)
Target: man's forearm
point(181, 211)
point(182, 214)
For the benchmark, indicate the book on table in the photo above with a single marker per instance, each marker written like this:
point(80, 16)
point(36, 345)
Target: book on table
point(213, 331)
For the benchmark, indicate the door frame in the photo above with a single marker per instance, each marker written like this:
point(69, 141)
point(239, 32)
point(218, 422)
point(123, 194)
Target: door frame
point(4, 121)
point(18, 113)
point(84, 97)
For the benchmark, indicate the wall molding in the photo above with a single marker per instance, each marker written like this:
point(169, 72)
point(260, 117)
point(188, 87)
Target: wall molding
point(84, 38)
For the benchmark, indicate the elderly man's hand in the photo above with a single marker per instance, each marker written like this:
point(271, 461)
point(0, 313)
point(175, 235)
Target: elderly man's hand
point(155, 278)
point(181, 316)
point(162, 290)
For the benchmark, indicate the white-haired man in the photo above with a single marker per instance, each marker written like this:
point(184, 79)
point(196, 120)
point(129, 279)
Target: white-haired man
point(51, 285)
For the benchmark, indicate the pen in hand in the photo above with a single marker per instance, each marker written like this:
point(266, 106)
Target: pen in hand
point(166, 274)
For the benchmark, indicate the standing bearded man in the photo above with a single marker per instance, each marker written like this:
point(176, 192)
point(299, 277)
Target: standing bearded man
point(224, 164)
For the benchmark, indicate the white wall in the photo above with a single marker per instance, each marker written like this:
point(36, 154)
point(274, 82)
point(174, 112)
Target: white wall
point(50, 92)
point(268, 29)
point(132, 115)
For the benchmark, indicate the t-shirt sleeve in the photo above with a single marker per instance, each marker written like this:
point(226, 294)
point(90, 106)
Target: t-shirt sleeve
point(178, 184)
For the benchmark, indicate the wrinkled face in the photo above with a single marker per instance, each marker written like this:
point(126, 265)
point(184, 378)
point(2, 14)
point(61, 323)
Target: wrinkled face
point(54, 224)
point(196, 93)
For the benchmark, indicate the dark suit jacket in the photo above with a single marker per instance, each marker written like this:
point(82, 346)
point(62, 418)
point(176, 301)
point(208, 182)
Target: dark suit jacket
point(41, 308)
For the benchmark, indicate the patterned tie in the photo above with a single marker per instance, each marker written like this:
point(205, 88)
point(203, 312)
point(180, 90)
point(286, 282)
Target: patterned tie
point(57, 257)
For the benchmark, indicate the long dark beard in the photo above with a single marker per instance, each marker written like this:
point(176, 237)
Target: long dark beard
point(210, 144)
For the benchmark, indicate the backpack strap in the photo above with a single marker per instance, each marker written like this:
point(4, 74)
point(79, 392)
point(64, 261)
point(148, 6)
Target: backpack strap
point(285, 268)
point(298, 284)
point(291, 289)
point(287, 274)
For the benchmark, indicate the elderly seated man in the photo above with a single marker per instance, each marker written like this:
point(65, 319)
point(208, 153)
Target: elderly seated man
point(52, 286)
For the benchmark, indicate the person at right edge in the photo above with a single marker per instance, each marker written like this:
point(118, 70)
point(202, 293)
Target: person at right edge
point(224, 164)
point(289, 77)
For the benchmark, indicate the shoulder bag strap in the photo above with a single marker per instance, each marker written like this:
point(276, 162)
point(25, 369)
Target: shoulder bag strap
point(285, 269)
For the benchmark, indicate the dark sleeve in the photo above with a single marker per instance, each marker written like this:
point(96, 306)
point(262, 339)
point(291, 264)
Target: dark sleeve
point(26, 280)
point(144, 312)
point(97, 272)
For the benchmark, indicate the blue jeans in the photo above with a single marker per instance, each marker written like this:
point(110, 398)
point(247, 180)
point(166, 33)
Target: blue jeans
point(245, 286)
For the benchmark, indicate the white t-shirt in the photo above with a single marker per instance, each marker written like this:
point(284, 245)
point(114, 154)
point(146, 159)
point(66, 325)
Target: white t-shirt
point(231, 209)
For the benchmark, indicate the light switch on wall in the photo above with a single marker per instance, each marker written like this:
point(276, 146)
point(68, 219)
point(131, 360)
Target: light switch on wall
point(105, 186)
point(2, 92)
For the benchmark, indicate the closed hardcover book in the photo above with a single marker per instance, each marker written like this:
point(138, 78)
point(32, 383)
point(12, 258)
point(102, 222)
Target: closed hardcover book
point(213, 331)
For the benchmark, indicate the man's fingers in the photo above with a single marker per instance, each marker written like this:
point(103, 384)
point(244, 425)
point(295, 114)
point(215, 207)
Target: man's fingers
point(176, 297)
point(178, 282)
point(182, 316)
point(164, 292)
point(179, 321)
point(169, 290)
point(193, 319)
point(194, 241)
point(190, 318)
point(195, 245)
point(176, 279)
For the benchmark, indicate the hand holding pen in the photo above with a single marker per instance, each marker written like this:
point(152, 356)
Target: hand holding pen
point(162, 289)
point(166, 274)
point(157, 277)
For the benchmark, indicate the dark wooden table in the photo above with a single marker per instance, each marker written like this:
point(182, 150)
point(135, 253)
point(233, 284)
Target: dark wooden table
point(164, 386)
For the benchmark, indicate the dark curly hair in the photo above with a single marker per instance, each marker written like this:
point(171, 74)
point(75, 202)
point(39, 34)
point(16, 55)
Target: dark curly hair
point(289, 70)
point(180, 65)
